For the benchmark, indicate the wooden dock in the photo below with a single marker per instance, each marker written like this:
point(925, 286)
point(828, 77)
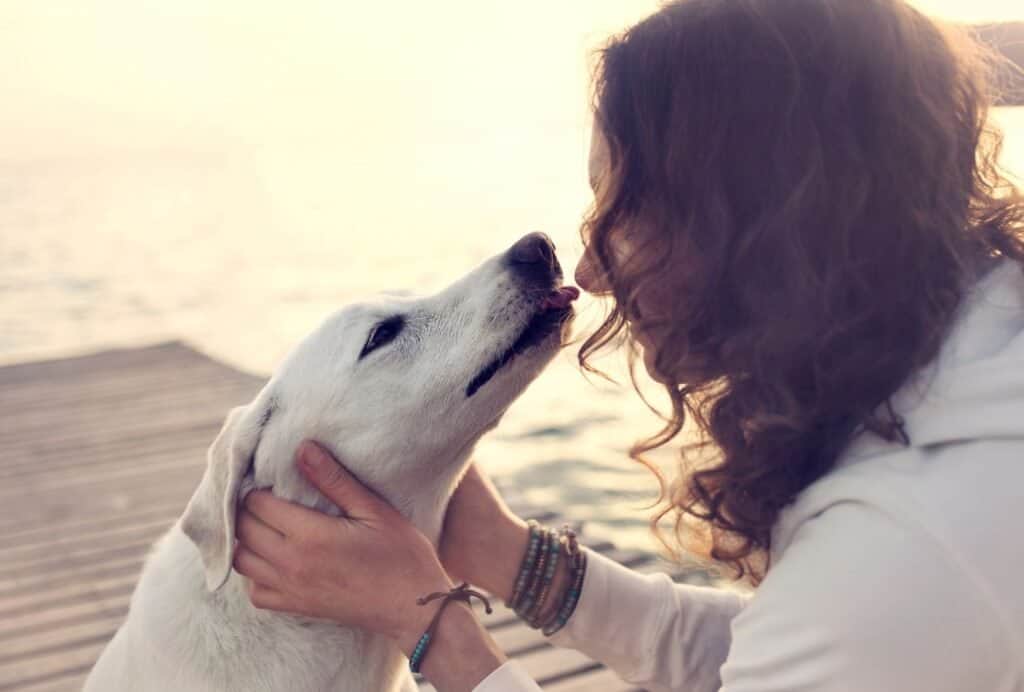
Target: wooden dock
point(98, 456)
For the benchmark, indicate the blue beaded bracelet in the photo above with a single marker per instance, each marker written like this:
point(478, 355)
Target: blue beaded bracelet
point(419, 652)
point(526, 568)
point(533, 583)
point(462, 592)
point(578, 570)
point(555, 550)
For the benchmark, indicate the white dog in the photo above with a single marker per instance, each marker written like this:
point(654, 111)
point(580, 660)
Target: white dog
point(401, 391)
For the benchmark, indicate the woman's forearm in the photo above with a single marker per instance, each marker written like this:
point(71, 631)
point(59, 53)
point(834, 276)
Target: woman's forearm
point(461, 652)
point(494, 564)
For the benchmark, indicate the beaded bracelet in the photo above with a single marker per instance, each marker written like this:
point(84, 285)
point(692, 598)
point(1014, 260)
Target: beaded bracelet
point(536, 575)
point(578, 570)
point(526, 568)
point(461, 592)
point(554, 552)
point(416, 657)
point(536, 579)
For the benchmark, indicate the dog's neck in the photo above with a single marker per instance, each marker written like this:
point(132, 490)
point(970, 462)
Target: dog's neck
point(423, 498)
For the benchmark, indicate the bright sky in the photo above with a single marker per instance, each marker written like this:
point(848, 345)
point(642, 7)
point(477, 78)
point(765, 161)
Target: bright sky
point(144, 73)
point(973, 10)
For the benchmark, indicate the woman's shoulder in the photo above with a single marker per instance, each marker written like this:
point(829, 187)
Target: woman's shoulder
point(861, 599)
point(864, 597)
point(962, 498)
point(901, 558)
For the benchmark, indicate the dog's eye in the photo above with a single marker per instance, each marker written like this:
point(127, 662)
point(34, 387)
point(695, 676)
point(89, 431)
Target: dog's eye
point(382, 334)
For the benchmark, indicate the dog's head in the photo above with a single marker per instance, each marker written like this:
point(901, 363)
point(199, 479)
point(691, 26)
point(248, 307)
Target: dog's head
point(399, 390)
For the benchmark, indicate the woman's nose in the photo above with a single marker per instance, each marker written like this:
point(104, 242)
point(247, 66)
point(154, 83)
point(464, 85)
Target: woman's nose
point(587, 276)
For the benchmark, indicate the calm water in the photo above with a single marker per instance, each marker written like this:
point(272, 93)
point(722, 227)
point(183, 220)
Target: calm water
point(239, 235)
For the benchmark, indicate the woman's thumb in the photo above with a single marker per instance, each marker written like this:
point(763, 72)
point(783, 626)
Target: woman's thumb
point(334, 481)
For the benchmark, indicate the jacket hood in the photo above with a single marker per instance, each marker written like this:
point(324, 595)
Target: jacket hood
point(974, 388)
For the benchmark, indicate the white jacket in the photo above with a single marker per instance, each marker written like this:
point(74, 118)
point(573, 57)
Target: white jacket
point(902, 569)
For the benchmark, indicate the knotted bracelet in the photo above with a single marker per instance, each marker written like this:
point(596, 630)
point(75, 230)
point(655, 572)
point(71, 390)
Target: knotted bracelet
point(462, 592)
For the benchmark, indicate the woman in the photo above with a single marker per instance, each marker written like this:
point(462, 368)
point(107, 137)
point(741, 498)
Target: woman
point(801, 227)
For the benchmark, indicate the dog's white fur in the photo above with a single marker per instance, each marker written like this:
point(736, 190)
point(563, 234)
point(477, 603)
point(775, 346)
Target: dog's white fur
point(401, 420)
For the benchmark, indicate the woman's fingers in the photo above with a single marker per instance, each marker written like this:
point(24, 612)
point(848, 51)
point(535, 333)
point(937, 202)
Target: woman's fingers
point(267, 598)
point(339, 486)
point(257, 536)
point(255, 567)
point(287, 518)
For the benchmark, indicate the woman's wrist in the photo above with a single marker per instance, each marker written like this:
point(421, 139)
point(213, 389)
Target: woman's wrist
point(493, 566)
point(413, 627)
point(461, 652)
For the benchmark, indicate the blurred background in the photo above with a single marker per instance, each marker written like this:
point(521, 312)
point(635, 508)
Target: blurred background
point(230, 172)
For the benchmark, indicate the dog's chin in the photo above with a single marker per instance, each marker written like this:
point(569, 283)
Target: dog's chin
point(534, 346)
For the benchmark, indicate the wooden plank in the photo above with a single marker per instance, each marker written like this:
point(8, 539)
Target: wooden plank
point(135, 445)
point(41, 535)
point(45, 643)
point(26, 623)
point(24, 403)
point(598, 679)
point(23, 445)
point(98, 555)
point(26, 556)
point(104, 482)
point(133, 489)
point(40, 583)
point(52, 437)
point(100, 363)
point(76, 658)
point(90, 391)
point(70, 681)
point(187, 442)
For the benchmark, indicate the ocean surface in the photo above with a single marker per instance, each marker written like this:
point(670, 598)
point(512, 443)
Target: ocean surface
point(240, 235)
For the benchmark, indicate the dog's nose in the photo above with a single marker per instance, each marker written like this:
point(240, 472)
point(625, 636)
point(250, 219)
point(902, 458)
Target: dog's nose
point(534, 248)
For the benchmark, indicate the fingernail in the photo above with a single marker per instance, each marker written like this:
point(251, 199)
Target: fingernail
point(312, 456)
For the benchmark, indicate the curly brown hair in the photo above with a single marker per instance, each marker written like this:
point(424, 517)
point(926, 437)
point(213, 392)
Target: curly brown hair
point(815, 185)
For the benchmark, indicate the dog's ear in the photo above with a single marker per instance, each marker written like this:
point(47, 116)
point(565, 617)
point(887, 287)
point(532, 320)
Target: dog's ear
point(209, 519)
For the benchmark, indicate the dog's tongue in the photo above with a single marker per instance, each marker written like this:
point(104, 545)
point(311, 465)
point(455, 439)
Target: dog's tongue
point(560, 298)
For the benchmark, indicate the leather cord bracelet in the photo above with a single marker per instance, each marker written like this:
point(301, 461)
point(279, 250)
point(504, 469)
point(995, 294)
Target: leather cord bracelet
point(462, 592)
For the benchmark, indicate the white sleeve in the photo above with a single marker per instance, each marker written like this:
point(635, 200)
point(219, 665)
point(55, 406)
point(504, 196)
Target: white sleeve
point(862, 601)
point(859, 602)
point(650, 631)
point(509, 677)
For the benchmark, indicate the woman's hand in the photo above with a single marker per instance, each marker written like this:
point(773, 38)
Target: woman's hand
point(483, 541)
point(365, 569)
